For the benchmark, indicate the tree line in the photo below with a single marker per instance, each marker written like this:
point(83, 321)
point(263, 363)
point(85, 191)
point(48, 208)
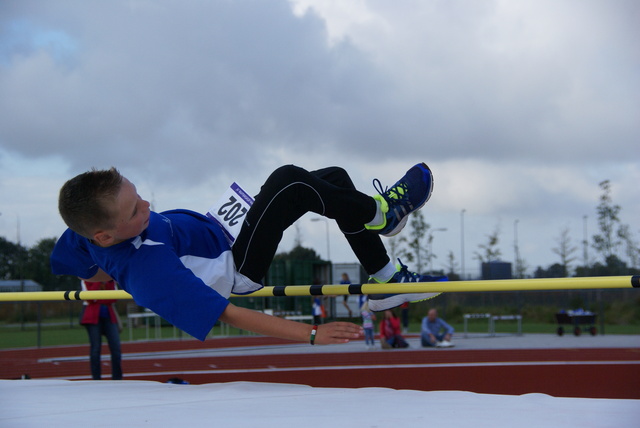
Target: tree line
point(18, 262)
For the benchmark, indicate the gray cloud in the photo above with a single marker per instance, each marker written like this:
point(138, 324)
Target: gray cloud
point(183, 87)
point(158, 81)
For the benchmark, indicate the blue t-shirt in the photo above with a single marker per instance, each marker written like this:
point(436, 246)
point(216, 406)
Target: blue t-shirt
point(438, 326)
point(180, 267)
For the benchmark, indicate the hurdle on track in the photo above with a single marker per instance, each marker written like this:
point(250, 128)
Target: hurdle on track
point(538, 284)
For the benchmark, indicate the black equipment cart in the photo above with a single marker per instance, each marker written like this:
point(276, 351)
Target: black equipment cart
point(576, 319)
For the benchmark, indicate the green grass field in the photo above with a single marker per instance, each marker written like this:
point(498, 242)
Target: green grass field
point(62, 334)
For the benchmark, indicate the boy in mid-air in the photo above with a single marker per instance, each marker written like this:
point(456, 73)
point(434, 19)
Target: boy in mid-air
point(180, 265)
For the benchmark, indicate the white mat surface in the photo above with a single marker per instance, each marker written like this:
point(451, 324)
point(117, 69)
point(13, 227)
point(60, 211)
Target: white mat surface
point(69, 404)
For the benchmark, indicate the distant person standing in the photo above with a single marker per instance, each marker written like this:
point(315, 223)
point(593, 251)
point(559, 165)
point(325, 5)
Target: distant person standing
point(100, 318)
point(345, 300)
point(317, 309)
point(317, 306)
point(404, 314)
point(435, 331)
point(368, 317)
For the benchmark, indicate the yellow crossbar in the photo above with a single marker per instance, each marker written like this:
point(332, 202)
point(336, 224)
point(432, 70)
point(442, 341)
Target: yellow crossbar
point(539, 284)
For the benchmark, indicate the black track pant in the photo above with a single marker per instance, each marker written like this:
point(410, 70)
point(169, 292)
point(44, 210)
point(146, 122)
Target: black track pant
point(289, 193)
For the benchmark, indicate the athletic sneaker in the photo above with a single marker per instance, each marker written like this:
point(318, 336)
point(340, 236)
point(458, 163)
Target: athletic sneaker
point(382, 302)
point(409, 194)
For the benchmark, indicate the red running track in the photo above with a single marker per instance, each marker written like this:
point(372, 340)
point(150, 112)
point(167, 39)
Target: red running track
point(588, 373)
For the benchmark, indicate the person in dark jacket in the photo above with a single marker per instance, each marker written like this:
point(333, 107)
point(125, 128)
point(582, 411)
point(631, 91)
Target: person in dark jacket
point(100, 319)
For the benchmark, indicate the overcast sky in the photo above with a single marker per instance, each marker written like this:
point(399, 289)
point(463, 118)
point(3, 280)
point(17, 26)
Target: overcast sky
point(520, 108)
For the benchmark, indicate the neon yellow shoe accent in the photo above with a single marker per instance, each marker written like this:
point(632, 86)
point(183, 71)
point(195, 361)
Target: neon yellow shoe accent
point(384, 207)
point(397, 192)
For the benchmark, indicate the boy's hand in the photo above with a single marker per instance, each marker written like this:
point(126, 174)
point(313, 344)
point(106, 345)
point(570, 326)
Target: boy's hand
point(338, 332)
point(268, 325)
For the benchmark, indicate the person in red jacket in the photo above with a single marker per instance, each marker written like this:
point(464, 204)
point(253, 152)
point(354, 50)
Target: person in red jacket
point(390, 331)
point(100, 318)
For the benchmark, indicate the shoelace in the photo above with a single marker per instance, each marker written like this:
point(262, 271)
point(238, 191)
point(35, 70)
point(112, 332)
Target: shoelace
point(393, 193)
point(404, 271)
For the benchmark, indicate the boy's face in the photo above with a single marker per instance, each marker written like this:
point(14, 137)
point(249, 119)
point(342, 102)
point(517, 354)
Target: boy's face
point(131, 216)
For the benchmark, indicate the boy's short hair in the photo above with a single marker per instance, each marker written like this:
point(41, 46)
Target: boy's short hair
point(85, 200)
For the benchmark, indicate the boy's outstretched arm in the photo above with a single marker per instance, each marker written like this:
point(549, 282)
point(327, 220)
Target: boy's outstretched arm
point(258, 322)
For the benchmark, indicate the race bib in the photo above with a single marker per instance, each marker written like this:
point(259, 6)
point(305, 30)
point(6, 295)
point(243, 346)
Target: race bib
point(230, 210)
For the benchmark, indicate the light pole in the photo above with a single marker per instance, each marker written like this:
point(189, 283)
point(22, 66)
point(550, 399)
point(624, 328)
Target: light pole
point(585, 243)
point(431, 256)
point(462, 243)
point(516, 252)
point(326, 222)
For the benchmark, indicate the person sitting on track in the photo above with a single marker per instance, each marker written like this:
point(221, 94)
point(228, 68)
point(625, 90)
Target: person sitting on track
point(435, 331)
